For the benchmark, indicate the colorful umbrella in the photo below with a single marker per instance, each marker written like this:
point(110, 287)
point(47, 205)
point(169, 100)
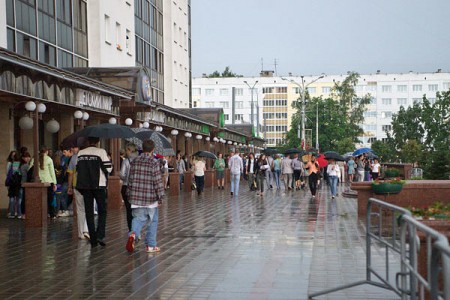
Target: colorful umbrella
point(322, 161)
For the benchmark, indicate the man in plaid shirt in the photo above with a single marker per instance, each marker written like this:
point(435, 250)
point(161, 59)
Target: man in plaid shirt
point(145, 193)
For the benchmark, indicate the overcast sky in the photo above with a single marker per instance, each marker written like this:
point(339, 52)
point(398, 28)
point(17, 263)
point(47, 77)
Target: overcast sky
point(309, 37)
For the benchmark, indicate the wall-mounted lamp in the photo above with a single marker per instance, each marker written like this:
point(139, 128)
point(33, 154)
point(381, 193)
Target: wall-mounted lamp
point(207, 138)
point(146, 124)
point(198, 137)
point(112, 121)
point(215, 139)
point(174, 132)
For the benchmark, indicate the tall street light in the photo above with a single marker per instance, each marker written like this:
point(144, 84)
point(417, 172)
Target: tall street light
point(251, 90)
point(302, 88)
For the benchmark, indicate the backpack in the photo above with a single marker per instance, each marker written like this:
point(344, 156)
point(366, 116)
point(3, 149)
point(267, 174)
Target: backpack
point(9, 176)
point(30, 174)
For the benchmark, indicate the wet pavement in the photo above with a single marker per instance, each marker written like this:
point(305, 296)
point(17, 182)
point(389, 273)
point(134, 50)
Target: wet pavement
point(213, 246)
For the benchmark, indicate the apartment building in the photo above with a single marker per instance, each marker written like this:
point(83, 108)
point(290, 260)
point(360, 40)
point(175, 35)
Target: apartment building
point(273, 97)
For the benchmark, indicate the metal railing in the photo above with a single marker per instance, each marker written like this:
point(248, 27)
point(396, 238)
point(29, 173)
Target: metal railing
point(394, 229)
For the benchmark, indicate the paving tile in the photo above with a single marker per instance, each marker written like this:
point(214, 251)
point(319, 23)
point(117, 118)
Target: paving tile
point(281, 246)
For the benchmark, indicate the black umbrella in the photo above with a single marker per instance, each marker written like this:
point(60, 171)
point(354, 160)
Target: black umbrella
point(293, 151)
point(206, 154)
point(107, 131)
point(334, 155)
point(74, 140)
point(270, 151)
point(162, 144)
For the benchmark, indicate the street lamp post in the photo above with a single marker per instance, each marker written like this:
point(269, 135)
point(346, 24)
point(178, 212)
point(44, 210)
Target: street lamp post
point(251, 90)
point(302, 94)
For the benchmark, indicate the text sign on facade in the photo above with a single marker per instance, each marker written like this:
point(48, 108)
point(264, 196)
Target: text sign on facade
point(93, 100)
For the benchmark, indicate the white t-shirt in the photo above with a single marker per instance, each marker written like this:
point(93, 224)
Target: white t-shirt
point(199, 168)
point(376, 168)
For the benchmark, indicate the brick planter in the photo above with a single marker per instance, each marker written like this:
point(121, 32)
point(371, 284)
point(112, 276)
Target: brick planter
point(417, 193)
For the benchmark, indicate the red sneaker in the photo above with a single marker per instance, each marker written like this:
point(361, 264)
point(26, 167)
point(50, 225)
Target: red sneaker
point(130, 242)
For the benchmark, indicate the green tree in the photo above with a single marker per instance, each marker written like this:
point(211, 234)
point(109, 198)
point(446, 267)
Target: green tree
point(427, 123)
point(386, 153)
point(412, 152)
point(338, 117)
point(226, 73)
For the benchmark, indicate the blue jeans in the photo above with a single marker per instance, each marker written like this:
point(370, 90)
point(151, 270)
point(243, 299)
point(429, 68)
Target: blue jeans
point(235, 178)
point(277, 174)
point(333, 184)
point(141, 216)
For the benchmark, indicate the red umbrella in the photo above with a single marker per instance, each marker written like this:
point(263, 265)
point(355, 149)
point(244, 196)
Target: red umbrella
point(322, 161)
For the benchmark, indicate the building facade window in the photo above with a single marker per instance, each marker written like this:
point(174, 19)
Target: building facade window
point(386, 114)
point(311, 90)
point(51, 31)
point(239, 104)
point(402, 101)
point(224, 104)
point(223, 92)
point(432, 87)
point(417, 87)
point(446, 86)
point(402, 88)
point(238, 117)
point(386, 127)
point(239, 91)
point(209, 92)
point(417, 100)
point(386, 88)
point(386, 101)
point(326, 89)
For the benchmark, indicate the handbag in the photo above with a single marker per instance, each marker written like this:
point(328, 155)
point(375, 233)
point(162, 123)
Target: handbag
point(193, 186)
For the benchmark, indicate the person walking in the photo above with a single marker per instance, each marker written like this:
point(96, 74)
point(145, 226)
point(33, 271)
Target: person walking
point(199, 174)
point(269, 173)
point(286, 172)
point(145, 193)
point(130, 154)
point(333, 171)
point(351, 169)
point(82, 228)
point(298, 167)
point(236, 168)
point(261, 166)
point(360, 168)
point(93, 168)
point(313, 167)
point(181, 168)
point(219, 166)
point(250, 170)
point(277, 170)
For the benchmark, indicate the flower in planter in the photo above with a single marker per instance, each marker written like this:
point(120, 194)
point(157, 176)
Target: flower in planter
point(396, 180)
point(436, 211)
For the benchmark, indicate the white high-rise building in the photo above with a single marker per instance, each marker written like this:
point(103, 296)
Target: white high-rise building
point(273, 98)
point(177, 53)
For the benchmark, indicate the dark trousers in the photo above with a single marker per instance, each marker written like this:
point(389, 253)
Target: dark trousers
point(100, 196)
point(127, 206)
point(313, 183)
point(200, 182)
point(50, 207)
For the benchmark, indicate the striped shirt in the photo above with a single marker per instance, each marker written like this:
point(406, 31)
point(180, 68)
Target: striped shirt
point(145, 184)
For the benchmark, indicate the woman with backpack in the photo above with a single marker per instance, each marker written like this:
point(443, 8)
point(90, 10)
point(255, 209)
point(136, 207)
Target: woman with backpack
point(24, 168)
point(13, 182)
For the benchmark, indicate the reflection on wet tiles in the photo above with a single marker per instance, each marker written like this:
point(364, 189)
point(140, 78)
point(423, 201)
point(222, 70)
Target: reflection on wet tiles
point(213, 247)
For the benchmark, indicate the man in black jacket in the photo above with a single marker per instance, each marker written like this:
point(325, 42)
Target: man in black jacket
point(93, 167)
